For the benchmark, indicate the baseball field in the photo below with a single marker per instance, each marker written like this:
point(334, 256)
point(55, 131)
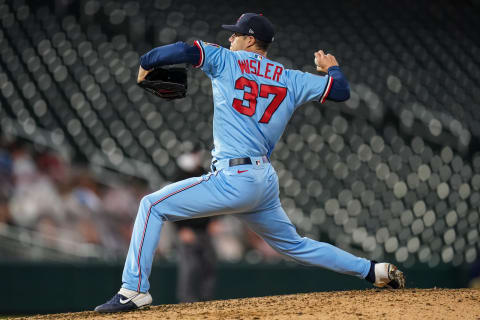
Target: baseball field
point(359, 304)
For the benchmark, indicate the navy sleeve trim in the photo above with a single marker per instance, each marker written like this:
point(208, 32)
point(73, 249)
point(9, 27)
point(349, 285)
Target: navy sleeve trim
point(201, 59)
point(326, 92)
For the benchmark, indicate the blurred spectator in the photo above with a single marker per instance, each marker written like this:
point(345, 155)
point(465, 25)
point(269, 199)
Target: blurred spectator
point(84, 194)
point(196, 255)
point(48, 228)
point(85, 209)
point(87, 228)
point(120, 201)
point(52, 165)
point(24, 169)
point(120, 207)
point(34, 192)
point(227, 233)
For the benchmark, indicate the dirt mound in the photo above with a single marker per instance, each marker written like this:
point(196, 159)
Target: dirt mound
point(362, 304)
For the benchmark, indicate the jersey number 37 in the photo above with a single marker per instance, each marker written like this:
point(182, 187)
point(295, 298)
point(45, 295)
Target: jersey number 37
point(251, 97)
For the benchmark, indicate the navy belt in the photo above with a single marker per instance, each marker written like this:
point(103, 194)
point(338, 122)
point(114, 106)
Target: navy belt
point(240, 161)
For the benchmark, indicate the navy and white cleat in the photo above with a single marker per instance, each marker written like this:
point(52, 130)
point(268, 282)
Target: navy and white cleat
point(125, 300)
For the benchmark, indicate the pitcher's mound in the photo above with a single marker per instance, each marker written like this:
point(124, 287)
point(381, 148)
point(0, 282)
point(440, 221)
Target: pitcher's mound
point(361, 304)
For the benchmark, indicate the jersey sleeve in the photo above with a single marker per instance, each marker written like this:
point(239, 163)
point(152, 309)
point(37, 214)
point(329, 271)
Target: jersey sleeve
point(308, 87)
point(213, 58)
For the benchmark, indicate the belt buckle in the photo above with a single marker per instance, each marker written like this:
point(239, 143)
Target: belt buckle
point(260, 161)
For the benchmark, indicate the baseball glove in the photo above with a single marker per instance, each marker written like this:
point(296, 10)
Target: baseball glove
point(166, 83)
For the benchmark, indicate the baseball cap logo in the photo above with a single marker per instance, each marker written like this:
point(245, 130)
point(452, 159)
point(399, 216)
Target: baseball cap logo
point(251, 31)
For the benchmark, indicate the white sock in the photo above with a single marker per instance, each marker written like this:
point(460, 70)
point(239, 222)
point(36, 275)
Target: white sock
point(127, 293)
point(381, 271)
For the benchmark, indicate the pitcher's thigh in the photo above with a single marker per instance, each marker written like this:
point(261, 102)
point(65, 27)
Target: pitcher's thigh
point(195, 197)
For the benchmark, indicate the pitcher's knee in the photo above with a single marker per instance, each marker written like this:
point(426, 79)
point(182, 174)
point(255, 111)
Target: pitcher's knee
point(149, 204)
point(146, 203)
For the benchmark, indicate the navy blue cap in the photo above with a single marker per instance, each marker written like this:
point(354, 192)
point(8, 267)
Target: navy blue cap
point(253, 24)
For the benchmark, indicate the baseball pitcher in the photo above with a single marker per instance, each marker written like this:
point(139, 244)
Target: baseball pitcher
point(254, 98)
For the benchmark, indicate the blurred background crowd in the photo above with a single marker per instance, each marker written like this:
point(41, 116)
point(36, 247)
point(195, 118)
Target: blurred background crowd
point(64, 211)
point(392, 173)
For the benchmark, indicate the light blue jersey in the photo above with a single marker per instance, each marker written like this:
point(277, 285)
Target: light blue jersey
point(254, 98)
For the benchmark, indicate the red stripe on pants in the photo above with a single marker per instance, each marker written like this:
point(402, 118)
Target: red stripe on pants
point(145, 227)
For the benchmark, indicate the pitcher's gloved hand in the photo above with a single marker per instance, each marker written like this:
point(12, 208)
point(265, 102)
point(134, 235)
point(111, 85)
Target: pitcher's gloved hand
point(166, 83)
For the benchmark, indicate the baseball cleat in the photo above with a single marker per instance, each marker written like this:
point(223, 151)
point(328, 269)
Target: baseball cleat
point(387, 275)
point(125, 300)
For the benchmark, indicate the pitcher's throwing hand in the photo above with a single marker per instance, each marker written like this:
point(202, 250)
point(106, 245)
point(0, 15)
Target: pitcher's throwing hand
point(324, 61)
